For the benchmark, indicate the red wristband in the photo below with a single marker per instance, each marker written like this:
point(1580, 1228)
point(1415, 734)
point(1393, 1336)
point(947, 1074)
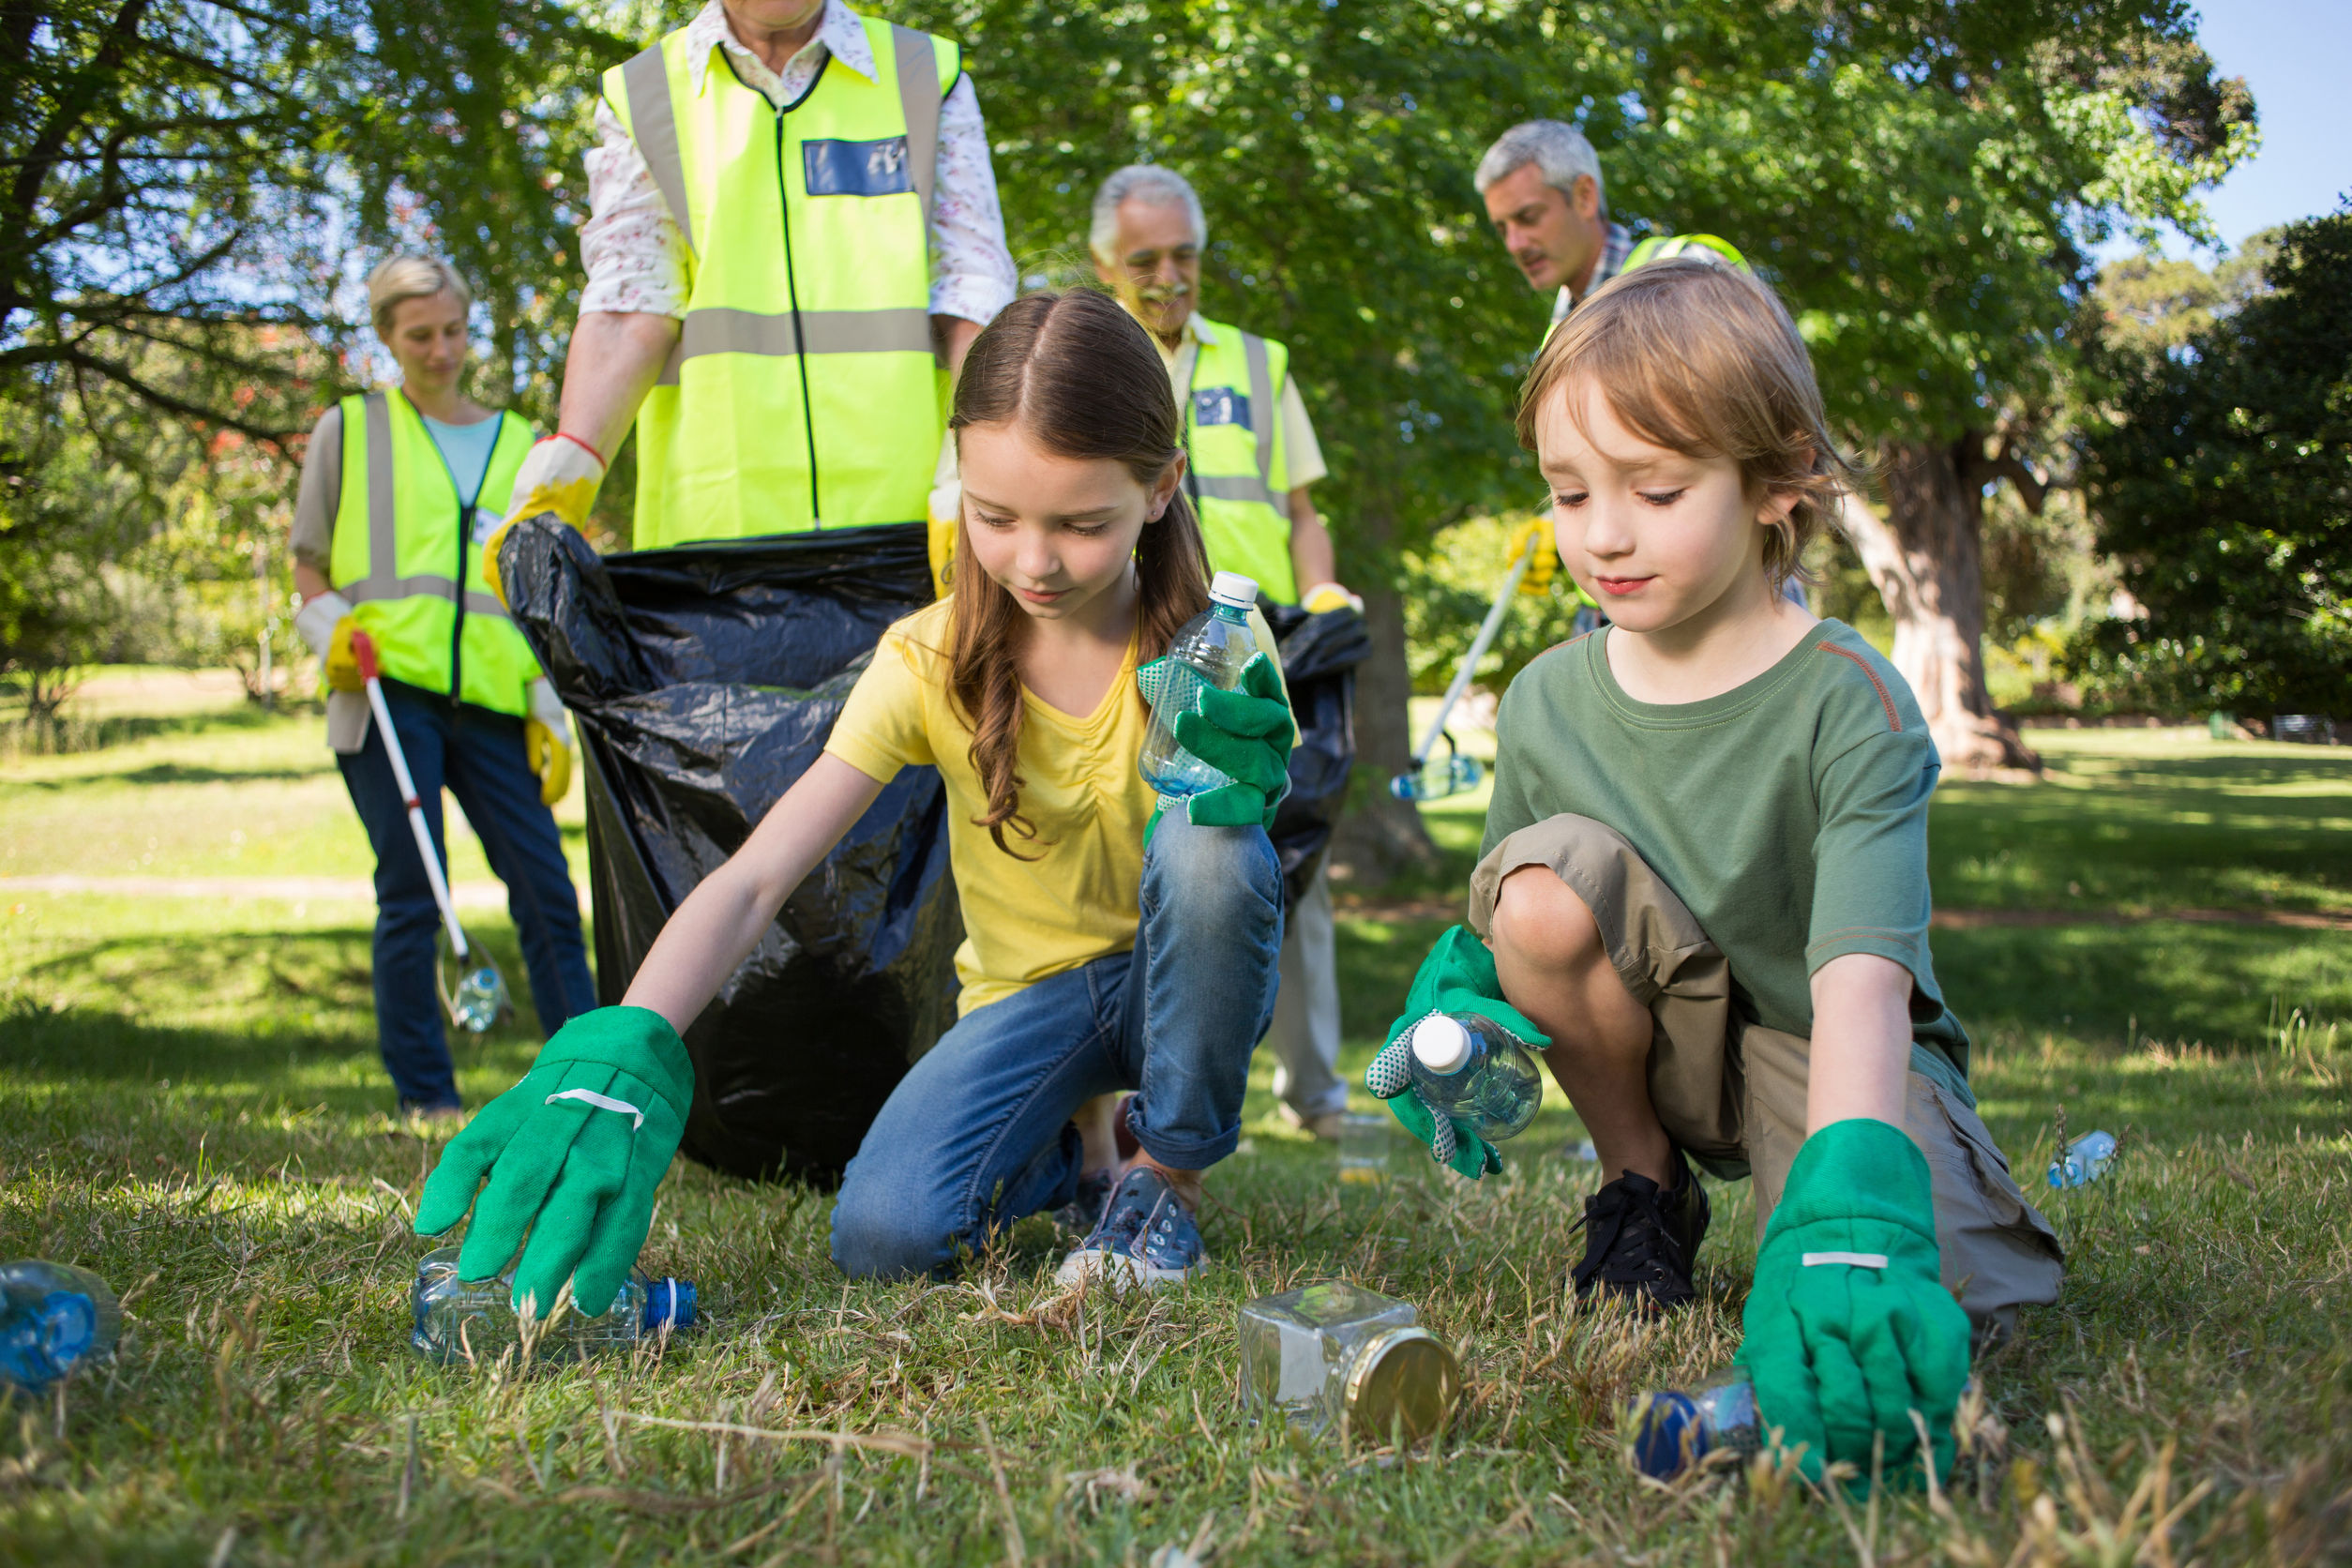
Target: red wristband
point(566, 435)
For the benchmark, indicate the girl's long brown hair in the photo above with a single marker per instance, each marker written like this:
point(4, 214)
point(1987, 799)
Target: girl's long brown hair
point(1078, 373)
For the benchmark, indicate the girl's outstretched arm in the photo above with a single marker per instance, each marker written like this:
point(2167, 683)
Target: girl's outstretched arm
point(722, 920)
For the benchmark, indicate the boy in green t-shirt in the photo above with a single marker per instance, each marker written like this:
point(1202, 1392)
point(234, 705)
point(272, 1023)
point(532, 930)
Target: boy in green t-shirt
point(1703, 893)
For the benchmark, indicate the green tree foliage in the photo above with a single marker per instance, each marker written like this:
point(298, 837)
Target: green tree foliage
point(1919, 179)
point(193, 188)
point(2222, 481)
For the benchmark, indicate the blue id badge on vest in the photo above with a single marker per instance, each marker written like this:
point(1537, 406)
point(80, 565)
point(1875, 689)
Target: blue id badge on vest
point(485, 522)
point(856, 167)
point(1220, 405)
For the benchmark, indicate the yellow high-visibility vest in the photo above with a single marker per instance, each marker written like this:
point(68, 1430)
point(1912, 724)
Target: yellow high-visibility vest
point(1658, 248)
point(1239, 477)
point(803, 392)
point(409, 555)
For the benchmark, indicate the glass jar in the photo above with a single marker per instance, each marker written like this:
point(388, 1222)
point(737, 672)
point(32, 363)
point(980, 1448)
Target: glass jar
point(1336, 1357)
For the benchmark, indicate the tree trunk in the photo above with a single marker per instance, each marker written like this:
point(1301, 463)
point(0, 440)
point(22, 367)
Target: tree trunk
point(1381, 835)
point(1927, 562)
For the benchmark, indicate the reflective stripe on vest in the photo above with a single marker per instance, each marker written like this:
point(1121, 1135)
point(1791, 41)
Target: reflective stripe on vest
point(400, 510)
point(803, 391)
point(1658, 247)
point(1244, 515)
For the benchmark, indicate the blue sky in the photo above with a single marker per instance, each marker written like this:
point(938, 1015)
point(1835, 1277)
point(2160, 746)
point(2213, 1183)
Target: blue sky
point(2294, 54)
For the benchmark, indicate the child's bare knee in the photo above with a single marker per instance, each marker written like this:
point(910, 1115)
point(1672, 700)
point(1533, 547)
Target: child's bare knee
point(1539, 920)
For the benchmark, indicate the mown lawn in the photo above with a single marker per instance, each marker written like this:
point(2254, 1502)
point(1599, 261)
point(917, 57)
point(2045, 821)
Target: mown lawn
point(189, 1103)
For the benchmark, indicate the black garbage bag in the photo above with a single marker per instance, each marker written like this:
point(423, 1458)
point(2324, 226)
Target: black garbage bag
point(1320, 655)
point(704, 680)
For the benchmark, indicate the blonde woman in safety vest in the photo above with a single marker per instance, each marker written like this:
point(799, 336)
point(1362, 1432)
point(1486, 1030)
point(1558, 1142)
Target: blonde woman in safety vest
point(1253, 457)
point(793, 236)
point(400, 489)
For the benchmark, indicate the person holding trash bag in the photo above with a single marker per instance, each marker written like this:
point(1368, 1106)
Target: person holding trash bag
point(1110, 944)
point(1703, 890)
point(399, 488)
point(1252, 460)
point(1540, 182)
point(793, 235)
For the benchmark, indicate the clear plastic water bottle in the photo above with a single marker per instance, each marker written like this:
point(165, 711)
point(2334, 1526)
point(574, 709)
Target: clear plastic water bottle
point(54, 1317)
point(455, 1320)
point(1475, 1070)
point(1674, 1430)
point(2084, 1160)
point(1210, 651)
point(479, 1001)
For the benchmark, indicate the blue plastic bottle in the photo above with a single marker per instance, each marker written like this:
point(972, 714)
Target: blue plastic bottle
point(455, 1320)
point(53, 1318)
point(1673, 1430)
point(1210, 651)
point(2084, 1160)
point(1475, 1070)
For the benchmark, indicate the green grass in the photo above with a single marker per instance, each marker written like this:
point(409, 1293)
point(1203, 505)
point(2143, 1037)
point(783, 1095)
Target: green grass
point(189, 1103)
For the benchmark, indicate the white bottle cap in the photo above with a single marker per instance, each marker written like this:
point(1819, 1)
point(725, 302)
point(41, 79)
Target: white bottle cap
point(1234, 589)
point(1440, 1044)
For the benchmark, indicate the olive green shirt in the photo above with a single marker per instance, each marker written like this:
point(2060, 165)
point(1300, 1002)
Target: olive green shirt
point(1790, 814)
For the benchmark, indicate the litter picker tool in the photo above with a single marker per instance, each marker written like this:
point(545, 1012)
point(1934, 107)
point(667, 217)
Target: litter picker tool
point(479, 999)
point(1457, 774)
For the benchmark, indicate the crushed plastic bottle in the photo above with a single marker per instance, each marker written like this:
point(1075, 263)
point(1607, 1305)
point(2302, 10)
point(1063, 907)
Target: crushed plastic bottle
point(53, 1318)
point(1335, 1357)
point(1671, 1431)
point(1438, 778)
point(2084, 1160)
point(1477, 1071)
point(479, 1001)
point(455, 1320)
point(1210, 650)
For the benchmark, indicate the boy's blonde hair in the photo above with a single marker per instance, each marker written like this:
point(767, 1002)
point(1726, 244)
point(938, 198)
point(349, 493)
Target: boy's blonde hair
point(1701, 359)
point(398, 280)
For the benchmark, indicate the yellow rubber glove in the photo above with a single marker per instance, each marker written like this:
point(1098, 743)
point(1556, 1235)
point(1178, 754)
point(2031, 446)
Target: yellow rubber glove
point(324, 622)
point(560, 474)
point(946, 503)
point(547, 741)
point(1537, 529)
point(1326, 596)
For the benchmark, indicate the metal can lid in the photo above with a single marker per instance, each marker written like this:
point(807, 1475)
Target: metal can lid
point(1402, 1387)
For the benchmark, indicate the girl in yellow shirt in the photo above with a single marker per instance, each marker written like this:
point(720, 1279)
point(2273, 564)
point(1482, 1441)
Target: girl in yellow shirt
point(1117, 941)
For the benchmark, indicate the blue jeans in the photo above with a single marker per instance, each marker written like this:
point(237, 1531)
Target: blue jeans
point(479, 754)
point(979, 1134)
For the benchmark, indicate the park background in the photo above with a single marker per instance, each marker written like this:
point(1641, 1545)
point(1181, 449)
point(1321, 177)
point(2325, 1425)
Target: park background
point(2111, 449)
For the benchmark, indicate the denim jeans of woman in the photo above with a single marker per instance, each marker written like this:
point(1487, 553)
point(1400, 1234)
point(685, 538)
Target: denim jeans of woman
point(480, 755)
point(979, 1134)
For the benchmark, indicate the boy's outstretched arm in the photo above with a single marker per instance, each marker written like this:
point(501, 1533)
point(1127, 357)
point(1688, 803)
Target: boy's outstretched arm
point(1861, 1041)
point(573, 1153)
point(1852, 1340)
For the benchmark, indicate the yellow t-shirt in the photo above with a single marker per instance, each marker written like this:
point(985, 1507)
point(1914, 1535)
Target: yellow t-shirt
point(1024, 919)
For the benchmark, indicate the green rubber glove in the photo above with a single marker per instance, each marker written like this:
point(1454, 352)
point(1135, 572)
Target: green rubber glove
point(1458, 977)
point(572, 1153)
point(1849, 1328)
point(1243, 733)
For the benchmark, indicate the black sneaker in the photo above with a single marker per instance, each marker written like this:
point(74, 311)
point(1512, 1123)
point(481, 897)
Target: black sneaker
point(1080, 1214)
point(1640, 1243)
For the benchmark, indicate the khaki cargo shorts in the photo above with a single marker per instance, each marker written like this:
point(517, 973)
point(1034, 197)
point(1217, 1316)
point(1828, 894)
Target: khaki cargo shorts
point(1732, 1094)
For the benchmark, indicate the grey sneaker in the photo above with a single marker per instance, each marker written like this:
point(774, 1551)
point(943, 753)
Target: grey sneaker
point(1146, 1237)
